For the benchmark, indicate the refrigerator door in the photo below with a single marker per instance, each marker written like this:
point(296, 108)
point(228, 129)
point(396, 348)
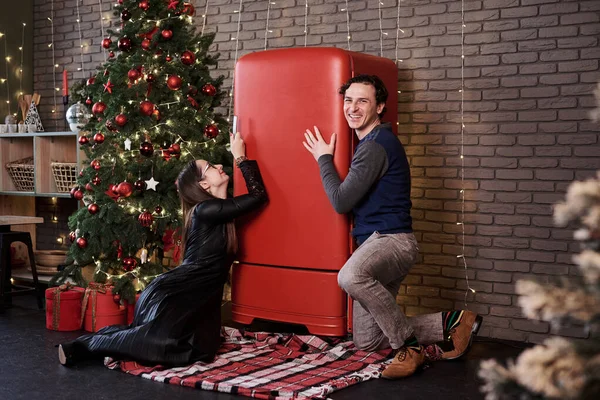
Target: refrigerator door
point(278, 95)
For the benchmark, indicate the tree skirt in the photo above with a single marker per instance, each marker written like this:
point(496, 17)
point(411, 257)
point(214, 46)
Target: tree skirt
point(271, 366)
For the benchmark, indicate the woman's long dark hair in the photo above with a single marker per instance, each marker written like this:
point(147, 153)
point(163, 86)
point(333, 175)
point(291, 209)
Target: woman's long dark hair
point(191, 193)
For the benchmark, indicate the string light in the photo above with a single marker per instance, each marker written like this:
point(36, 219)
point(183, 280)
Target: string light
point(380, 31)
point(267, 31)
point(6, 61)
point(462, 147)
point(51, 19)
point(239, 12)
point(305, 22)
point(82, 69)
point(204, 18)
point(348, 37)
point(102, 26)
point(398, 30)
point(21, 49)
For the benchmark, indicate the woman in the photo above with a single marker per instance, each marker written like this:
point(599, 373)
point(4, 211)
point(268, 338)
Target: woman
point(177, 319)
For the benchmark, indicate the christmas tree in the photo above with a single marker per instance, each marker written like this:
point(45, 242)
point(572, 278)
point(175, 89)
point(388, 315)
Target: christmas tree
point(152, 104)
point(560, 368)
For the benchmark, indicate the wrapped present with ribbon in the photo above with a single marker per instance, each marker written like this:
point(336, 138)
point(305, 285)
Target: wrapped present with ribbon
point(63, 307)
point(131, 309)
point(99, 308)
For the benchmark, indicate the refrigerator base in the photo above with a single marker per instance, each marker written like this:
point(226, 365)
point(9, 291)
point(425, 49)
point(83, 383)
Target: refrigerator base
point(306, 297)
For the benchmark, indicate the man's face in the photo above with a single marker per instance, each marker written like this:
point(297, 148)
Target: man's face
point(360, 108)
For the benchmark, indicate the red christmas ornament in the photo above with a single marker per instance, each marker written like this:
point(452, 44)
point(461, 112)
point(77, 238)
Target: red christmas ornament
point(150, 78)
point(117, 298)
point(125, 189)
point(211, 131)
point(99, 138)
point(74, 188)
point(169, 58)
point(165, 151)
point(121, 119)
point(175, 150)
point(106, 43)
point(129, 263)
point(192, 101)
point(144, 5)
point(146, 219)
point(172, 4)
point(96, 180)
point(174, 82)
point(110, 126)
point(111, 54)
point(124, 44)
point(158, 209)
point(140, 185)
point(146, 44)
point(133, 74)
point(167, 34)
point(95, 164)
point(188, 9)
point(83, 140)
point(98, 108)
point(89, 187)
point(112, 191)
point(78, 194)
point(209, 89)
point(82, 243)
point(146, 108)
point(91, 81)
point(146, 149)
point(72, 236)
point(125, 15)
point(88, 101)
point(187, 57)
point(93, 208)
point(156, 114)
point(108, 86)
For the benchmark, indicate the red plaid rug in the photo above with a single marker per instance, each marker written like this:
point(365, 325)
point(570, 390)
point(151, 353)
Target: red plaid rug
point(271, 366)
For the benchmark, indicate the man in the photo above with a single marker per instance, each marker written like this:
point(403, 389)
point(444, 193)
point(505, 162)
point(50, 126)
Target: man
point(377, 191)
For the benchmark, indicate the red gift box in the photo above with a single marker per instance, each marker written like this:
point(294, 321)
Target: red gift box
point(63, 308)
point(99, 308)
point(131, 309)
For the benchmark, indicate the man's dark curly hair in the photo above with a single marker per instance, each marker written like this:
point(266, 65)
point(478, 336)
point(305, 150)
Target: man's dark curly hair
point(381, 93)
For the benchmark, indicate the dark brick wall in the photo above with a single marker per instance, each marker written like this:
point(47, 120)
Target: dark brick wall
point(530, 68)
point(56, 212)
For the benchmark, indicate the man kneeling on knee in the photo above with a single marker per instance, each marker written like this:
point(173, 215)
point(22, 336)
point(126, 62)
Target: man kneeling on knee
point(377, 192)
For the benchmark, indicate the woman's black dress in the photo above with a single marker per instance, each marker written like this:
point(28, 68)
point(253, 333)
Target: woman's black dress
point(177, 318)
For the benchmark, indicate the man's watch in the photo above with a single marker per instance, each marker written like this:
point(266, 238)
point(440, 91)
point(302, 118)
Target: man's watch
point(240, 160)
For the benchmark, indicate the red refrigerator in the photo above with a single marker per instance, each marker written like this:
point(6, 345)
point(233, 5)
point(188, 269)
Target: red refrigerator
point(291, 251)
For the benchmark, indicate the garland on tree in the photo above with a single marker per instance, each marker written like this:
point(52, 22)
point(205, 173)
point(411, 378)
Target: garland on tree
point(152, 104)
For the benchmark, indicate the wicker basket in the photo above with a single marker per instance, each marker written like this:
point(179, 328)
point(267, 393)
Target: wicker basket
point(50, 258)
point(21, 172)
point(65, 175)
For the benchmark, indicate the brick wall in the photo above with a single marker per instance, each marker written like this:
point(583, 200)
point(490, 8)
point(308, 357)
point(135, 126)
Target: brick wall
point(530, 68)
point(56, 212)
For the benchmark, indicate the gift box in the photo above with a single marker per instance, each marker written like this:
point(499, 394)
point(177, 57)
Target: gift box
point(131, 309)
point(100, 309)
point(63, 308)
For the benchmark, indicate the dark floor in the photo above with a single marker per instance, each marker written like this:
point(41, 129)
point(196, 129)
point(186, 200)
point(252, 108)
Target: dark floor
point(30, 369)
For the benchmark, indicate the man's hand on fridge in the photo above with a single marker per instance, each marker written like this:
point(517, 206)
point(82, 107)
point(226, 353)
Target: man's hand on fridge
point(316, 145)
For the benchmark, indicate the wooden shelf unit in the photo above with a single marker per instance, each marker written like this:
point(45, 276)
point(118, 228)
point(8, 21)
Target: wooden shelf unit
point(45, 148)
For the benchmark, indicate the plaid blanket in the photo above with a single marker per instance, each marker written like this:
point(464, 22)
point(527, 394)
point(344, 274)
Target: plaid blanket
point(271, 366)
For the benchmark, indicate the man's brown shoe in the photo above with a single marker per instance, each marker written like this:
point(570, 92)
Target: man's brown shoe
point(462, 334)
point(406, 361)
